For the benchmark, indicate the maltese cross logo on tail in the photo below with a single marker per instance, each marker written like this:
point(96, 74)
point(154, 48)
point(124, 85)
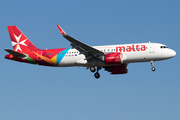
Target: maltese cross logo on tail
point(18, 43)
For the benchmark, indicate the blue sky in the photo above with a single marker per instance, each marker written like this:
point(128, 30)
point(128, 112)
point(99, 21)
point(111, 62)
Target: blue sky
point(36, 92)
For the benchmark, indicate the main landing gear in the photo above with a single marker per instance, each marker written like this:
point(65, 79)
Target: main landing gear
point(93, 69)
point(96, 75)
point(152, 64)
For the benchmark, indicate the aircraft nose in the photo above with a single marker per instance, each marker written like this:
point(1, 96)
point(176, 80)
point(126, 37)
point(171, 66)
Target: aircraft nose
point(172, 53)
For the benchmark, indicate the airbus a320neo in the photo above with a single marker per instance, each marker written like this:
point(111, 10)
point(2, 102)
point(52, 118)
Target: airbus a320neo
point(113, 58)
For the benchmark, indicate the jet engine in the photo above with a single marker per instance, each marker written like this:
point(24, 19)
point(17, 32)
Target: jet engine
point(113, 58)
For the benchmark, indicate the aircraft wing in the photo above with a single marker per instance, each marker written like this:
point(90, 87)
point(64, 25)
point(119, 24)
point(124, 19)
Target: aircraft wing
point(80, 46)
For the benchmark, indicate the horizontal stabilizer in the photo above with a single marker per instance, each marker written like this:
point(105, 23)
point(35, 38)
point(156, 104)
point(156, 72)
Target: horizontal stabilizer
point(14, 53)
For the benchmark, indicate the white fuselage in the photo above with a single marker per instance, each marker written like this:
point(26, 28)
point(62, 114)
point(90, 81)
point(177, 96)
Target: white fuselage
point(139, 52)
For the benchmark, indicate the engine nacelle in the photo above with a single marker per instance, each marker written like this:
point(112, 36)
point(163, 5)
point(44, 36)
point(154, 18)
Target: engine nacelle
point(118, 69)
point(113, 58)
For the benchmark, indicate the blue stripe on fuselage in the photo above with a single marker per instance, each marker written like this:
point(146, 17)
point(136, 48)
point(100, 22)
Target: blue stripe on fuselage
point(61, 55)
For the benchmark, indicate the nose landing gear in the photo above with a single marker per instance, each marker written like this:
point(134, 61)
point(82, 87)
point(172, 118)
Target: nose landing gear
point(152, 64)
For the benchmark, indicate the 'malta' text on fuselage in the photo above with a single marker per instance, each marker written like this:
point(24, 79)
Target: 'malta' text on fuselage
point(131, 48)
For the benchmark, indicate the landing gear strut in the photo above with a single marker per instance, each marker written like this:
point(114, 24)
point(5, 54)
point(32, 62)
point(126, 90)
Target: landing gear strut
point(152, 64)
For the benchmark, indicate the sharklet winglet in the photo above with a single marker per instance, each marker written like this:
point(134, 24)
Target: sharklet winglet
point(61, 30)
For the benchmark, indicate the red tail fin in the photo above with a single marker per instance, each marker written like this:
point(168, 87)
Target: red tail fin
point(19, 41)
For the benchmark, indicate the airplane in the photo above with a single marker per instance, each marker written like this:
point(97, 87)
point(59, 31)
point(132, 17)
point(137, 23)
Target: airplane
point(113, 58)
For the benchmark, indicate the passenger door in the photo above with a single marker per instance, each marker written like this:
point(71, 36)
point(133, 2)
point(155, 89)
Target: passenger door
point(151, 48)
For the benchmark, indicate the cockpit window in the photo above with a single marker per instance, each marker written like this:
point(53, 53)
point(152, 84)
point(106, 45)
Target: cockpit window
point(164, 47)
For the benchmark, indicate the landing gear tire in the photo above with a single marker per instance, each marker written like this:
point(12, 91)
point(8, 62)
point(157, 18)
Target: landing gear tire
point(153, 68)
point(92, 69)
point(97, 75)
